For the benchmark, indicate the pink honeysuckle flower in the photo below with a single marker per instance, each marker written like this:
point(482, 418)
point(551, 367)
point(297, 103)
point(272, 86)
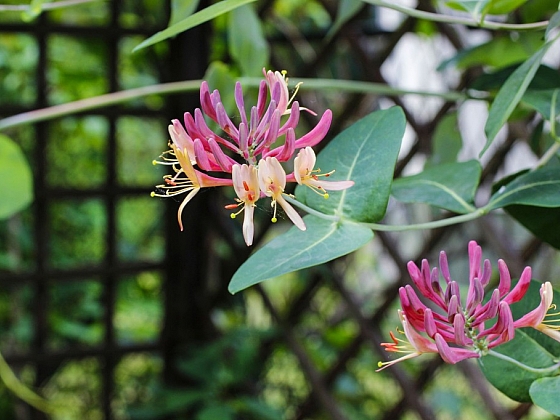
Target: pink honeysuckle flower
point(272, 182)
point(537, 317)
point(246, 153)
point(457, 329)
point(246, 185)
point(305, 174)
point(414, 345)
point(194, 181)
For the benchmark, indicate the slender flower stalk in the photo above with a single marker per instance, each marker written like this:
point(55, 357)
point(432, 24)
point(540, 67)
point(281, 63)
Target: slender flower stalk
point(458, 329)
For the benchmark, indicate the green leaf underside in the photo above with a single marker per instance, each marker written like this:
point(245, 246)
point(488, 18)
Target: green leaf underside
point(450, 186)
point(544, 393)
point(510, 94)
point(510, 379)
point(198, 18)
point(366, 153)
point(323, 241)
point(16, 182)
point(537, 188)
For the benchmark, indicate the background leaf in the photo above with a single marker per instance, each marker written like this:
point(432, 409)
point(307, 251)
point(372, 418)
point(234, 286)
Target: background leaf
point(510, 94)
point(182, 9)
point(450, 186)
point(16, 181)
point(544, 393)
point(324, 240)
point(510, 379)
point(537, 188)
point(247, 45)
point(194, 20)
point(541, 101)
point(366, 153)
point(446, 142)
point(346, 11)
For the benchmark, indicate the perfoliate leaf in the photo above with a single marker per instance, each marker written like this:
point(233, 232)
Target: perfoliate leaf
point(544, 392)
point(194, 20)
point(366, 153)
point(449, 186)
point(510, 94)
point(324, 240)
point(16, 181)
point(247, 44)
point(508, 377)
point(536, 188)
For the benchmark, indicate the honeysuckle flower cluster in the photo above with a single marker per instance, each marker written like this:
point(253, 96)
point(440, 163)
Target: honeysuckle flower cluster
point(459, 330)
point(248, 156)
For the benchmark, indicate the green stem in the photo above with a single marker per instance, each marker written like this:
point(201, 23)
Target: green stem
point(393, 228)
point(309, 210)
point(428, 225)
point(44, 6)
point(194, 85)
point(517, 363)
point(436, 17)
point(97, 102)
point(21, 391)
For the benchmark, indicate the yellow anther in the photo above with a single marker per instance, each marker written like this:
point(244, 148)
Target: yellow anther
point(274, 220)
point(152, 194)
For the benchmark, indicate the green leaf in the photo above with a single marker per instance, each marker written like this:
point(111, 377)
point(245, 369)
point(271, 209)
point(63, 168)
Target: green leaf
point(509, 378)
point(544, 393)
point(543, 222)
point(499, 52)
point(194, 20)
point(347, 9)
point(545, 78)
point(247, 44)
point(366, 153)
point(324, 240)
point(446, 142)
point(541, 101)
point(530, 301)
point(510, 94)
point(474, 7)
point(214, 412)
point(16, 180)
point(553, 23)
point(536, 188)
point(182, 9)
point(450, 186)
point(500, 7)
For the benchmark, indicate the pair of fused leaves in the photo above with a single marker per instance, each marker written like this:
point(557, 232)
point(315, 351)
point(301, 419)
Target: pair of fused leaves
point(365, 153)
point(532, 348)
